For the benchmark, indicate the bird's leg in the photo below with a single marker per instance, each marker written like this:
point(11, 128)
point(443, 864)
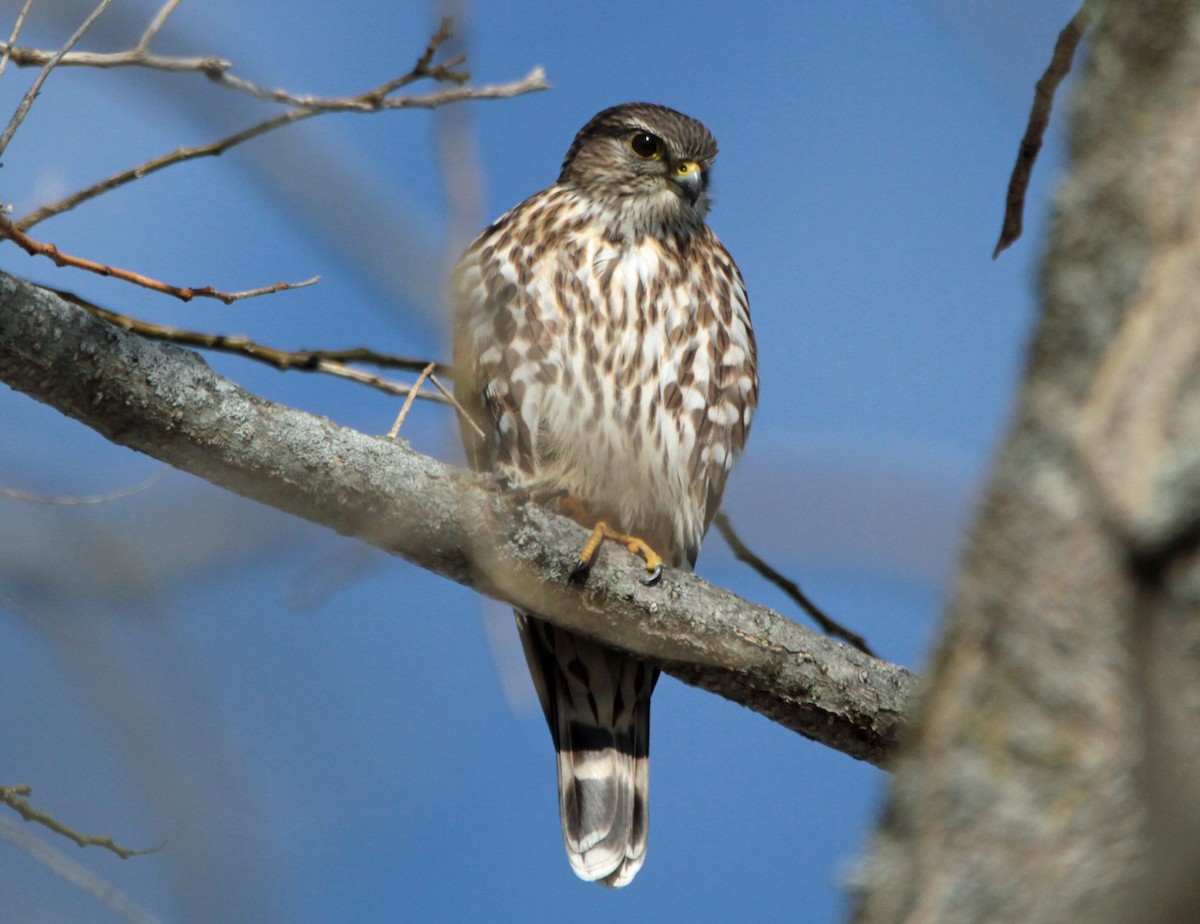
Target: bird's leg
point(602, 531)
point(521, 490)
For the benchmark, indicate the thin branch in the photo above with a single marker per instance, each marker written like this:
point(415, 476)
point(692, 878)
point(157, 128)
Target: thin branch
point(377, 99)
point(229, 297)
point(156, 24)
point(13, 37)
point(444, 33)
point(371, 100)
point(302, 107)
point(218, 70)
point(330, 362)
point(383, 360)
point(462, 411)
point(408, 402)
point(788, 586)
point(208, 65)
point(109, 497)
point(534, 81)
point(178, 156)
point(302, 360)
point(15, 122)
point(14, 798)
point(137, 56)
point(75, 873)
point(1035, 129)
point(36, 249)
point(462, 526)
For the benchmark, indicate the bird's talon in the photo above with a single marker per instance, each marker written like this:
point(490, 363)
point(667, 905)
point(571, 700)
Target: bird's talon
point(602, 531)
point(580, 572)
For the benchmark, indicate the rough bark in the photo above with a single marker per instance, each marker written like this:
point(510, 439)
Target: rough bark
point(166, 402)
point(1053, 767)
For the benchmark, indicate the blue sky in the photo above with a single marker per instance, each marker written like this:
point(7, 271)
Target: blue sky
point(321, 733)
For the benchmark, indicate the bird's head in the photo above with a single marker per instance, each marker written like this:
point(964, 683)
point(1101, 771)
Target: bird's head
point(646, 165)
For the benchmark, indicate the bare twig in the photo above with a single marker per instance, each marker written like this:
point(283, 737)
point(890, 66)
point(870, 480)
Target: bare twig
point(208, 65)
point(408, 402)
point(36, 249)
point(444, 33)
point(531, 82)
point(788, 586)
point(303, 360)
point(75, 873)
point(218, 70)
point(378, 98)
point(15, 122)
point(156, 24)
point(535, 80)
point(178, 156)
point(137, 56)
point(371, 100)
point(15, 32)
point(301, 107)
point(383, 360)
point(14, 798)
point(1035, 129)
point(462, 411)
point(228, 297)
point(88, 500)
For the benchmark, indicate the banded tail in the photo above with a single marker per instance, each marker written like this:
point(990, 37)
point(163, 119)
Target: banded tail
point(597, 704)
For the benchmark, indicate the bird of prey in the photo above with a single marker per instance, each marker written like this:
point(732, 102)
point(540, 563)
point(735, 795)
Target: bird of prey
point(602, 342)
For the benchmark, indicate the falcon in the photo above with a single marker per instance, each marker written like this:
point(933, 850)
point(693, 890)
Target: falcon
point(602, 342)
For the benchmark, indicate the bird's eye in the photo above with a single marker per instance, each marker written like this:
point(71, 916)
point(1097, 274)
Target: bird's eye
point(646, 145)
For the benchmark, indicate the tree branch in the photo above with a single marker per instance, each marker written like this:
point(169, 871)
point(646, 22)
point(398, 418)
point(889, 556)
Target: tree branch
point(51, 62)
point(327, 362)
point(1035, 128)
point(165, 402)
point(85, 501)
point(746, 556)
point(20, 22)
point(15, 798)
point(533, 81)
point(183, 293)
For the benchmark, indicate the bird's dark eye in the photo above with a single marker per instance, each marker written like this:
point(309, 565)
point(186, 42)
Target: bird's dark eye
point(646, 145)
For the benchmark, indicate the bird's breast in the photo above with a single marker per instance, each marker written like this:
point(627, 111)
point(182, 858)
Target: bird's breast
point(618, 425)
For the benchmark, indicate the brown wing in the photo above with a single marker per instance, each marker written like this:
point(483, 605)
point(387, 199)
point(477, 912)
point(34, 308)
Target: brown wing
point(733, 390)
point(487, 310)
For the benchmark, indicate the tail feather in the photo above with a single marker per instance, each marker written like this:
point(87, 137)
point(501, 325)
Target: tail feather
point(597, 704)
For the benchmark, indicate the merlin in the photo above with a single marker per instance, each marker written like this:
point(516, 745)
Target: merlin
point(602, 341)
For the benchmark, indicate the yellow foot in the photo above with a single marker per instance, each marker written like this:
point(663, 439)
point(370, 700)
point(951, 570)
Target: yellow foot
point(602, 531)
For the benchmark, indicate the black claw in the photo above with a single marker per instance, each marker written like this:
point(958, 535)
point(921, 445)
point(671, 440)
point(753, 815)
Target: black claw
point(580, 572)
point(653, 577)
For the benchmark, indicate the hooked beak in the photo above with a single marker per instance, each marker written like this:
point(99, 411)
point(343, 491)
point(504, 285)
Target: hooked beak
point(688, 177)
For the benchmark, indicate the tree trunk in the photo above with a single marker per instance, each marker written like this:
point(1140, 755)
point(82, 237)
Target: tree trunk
point(1053, 769)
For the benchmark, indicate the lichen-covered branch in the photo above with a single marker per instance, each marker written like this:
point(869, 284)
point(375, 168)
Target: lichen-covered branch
point(164, 401)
